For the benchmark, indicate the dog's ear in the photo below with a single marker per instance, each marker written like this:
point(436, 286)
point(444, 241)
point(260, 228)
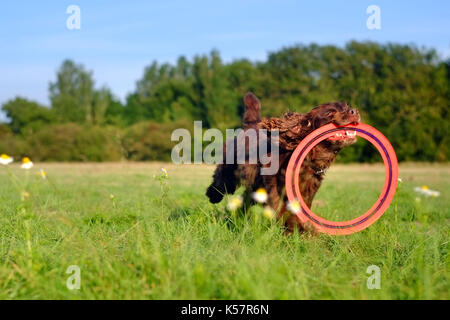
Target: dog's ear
point(298, 125)
point(318, 121)
point(307, 121)
point(323, 117)
point(252, 108)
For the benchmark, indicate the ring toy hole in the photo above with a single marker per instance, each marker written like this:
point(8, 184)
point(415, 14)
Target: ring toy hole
point(348, 189)
point(379, 207)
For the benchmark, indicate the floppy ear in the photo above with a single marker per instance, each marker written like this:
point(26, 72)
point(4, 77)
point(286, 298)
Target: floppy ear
point(323, 118)
point(317, 121)
point(300, 127)
point(306, 122)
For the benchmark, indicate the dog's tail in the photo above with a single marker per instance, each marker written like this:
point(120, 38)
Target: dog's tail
point(252, 109)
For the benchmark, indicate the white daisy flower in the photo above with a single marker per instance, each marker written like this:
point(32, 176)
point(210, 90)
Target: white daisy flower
point(260, 195)
point(164, 171)
point(434, 193)
point(234, 203)
point(43, 174)
point(5, 159)
point(424, 190)
point(27, 164)
point(294, 206)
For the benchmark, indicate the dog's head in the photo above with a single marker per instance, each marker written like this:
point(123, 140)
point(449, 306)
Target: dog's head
point(338, 113)
point(335, 112)
point(294, 127)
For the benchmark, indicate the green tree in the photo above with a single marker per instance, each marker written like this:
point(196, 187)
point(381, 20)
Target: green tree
point(115, 111)
point(27, 117)
point(72, 95)
point(218, 102)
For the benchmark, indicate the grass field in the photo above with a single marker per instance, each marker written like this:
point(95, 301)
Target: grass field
point(134, 239)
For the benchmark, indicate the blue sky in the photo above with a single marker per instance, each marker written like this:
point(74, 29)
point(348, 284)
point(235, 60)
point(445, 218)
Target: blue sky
point(118, 39)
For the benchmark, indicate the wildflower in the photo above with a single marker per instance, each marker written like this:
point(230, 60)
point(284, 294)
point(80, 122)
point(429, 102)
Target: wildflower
point(25, 194)
point(26, 163)
point(269, 213)
point(43, 174)
point(234, 203)
point(427, 192)
point(294, 206)
point(5, 159)
point(111, 196)
point(164, 171)
point(260, 195)
point(400, 180)
point(435, 194)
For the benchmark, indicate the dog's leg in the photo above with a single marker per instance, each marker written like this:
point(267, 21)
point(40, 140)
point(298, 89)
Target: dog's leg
point(226, 177)
point(224, 181)
point(290, 220)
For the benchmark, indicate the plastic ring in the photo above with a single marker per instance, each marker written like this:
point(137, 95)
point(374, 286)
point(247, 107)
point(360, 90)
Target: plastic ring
point(376, 211)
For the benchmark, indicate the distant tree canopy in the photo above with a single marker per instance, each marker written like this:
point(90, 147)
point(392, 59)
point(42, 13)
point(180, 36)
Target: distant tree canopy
point(26, 116)
point(74, 98)
point(402, 90)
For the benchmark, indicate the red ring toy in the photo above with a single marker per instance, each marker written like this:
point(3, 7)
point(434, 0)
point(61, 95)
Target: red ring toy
point(375, 212)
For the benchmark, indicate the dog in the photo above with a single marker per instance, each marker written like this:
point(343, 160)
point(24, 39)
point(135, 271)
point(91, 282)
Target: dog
point(292, 128)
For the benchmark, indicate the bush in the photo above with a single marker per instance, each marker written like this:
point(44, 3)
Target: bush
point(73, 142)
point(10, 144)
point(150, 140)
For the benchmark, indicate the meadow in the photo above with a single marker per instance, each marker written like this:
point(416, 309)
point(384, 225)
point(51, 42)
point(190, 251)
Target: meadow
point(137, 234)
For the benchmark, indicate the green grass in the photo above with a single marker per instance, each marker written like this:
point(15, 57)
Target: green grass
point(134, 246)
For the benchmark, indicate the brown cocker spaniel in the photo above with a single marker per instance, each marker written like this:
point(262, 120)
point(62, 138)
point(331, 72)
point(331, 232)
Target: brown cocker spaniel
point(292, 128)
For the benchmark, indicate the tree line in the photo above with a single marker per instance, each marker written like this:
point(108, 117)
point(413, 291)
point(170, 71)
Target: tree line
point(402, 90)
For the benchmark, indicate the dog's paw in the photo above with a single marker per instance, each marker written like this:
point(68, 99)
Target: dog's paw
point(309, 228)
point(214, 194)
point(293, 223)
